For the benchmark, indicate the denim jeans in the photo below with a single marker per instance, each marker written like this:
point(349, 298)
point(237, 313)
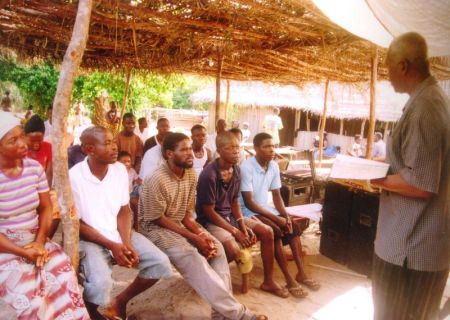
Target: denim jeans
point(96, 266)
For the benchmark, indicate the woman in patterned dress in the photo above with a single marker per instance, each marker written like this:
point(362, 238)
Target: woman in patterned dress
point(36, 277)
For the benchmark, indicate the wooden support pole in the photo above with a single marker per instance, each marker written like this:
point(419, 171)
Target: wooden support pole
point(308, 122)
point(227, 101)
point(69, 69)
point(363, 127)
point(127, 87)
point(218, 80)
point(341, 127)
point(373, 91)
point(323, 122)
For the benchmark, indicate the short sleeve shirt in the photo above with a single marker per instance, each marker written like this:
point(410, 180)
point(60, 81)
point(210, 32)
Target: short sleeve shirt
point(272, 124)
point(258, 181)
point(165, 194)
point(98, 201)
point(411, 229)
point(152, 160)
point(43, 156)
point(212, 190)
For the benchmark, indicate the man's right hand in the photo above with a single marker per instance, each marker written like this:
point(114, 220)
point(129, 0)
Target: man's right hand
point(205, 244)
point(243, 238)
point(121, 254)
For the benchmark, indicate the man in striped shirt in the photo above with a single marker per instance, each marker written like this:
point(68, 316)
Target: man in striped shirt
point(412, 245)
point(165, 217)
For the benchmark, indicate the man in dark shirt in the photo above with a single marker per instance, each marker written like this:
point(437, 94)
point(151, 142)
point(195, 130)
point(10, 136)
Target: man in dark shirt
point(218, 209)
point(75, 155)
point(163, 127)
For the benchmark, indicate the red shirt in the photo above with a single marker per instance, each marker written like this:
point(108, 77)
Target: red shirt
point(43, 156)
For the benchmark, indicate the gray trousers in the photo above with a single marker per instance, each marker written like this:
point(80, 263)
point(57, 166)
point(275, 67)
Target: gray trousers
point(403, 294)
point(212, 281)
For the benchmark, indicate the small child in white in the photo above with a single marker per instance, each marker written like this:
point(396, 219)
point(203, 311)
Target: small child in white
point(134, 183)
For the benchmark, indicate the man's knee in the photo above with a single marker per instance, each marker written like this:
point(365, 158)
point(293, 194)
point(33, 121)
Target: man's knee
point(265, 233)
point(231, 249)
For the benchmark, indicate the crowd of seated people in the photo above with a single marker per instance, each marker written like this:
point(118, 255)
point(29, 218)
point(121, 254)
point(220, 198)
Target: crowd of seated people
point(190, 211)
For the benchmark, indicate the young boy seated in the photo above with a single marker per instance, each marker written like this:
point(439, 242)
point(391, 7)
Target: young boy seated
point(260, 174)
point(219, 211)
point(133, 183)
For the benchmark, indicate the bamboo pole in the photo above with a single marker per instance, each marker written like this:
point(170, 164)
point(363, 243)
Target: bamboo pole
point(69, 68)
point(227, 101)
point(373, 90)
point(218, 80)
point(323, 122)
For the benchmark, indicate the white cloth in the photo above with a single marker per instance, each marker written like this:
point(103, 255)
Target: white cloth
point(272, 124)
point(153, 158)
point(379, 149)
point(142, 135)
point(48, 131)
point(8, 120)
point(245, 135)
point(98, 201)
point(357, 150)
point(199, 163)
point(211, 142)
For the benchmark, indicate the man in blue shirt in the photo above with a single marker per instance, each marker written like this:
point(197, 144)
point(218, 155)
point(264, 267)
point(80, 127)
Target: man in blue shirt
point(219, 211)
point(259, 175)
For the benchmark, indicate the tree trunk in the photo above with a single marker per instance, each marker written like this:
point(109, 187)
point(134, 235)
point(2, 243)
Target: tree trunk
point(323, 121)
point(218, 79)
point(373, 91)
point(69, 68)
point(227, 101)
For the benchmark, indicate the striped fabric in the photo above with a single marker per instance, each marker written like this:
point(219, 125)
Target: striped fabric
point(164, 194)
point(19, 197)
point(403, 294)
point(46, 293)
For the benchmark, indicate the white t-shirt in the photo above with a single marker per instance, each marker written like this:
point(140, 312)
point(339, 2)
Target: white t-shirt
point(98, 202)
point(357, 150)
point(199, 163)
point(153, 158)
point(211, 142)
point(272, 124)
point(379, 149)
point(142, 135)
point(48, 131)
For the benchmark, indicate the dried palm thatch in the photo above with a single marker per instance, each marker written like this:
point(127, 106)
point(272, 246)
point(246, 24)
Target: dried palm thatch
point(285, 41)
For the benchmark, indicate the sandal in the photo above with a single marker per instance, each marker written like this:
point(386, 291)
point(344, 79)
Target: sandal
point(310, 284)
point(260, 317)
point(280, 292)
point(297, 292)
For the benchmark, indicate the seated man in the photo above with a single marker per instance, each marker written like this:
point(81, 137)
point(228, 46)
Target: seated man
point(219, 211)
point(100, 188)
point(165, 217)
point(202, 155)
point(261, 174)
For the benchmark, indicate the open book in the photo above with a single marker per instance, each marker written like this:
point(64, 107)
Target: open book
point(346, 167)
point(356, 172)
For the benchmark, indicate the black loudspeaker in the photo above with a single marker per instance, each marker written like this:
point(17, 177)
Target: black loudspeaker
point(336, 222)
point(349, 226)
point(362, 232)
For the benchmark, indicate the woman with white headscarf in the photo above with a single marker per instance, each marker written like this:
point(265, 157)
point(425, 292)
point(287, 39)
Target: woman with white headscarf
point(36, 278)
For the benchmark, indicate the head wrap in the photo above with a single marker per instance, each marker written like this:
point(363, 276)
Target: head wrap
point(8, 121)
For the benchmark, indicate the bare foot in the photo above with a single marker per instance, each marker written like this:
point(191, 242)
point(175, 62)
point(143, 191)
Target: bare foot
point(116, 311)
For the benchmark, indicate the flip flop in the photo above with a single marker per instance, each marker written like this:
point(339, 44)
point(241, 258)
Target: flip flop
point(260, 317)
point(280, 292)
point(111, 315)
point(310, 284)
point(297, 292)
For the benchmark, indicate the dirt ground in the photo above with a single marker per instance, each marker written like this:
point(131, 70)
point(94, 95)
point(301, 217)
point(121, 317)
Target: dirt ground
point(344, 294)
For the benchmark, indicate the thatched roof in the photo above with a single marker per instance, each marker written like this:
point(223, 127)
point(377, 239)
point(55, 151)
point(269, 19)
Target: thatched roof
point(345, 101)
point(287, 41)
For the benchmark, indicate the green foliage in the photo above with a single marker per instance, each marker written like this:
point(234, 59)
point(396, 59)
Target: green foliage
point(37, 85)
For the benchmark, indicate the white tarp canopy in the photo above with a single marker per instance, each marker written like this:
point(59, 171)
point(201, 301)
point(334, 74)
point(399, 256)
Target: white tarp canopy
point(380, 20)
point(345, 101)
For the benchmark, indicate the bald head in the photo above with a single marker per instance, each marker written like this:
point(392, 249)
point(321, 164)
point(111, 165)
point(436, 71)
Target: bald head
point(412, 48)
point(225, 138)
point(93, 135)
point(221, 126)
